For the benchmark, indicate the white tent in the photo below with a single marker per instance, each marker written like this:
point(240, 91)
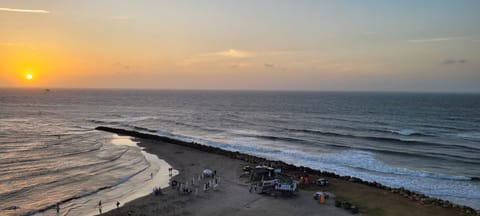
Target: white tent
point(207, 172)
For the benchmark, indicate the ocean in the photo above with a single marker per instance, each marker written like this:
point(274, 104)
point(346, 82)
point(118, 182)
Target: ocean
point(50, 152)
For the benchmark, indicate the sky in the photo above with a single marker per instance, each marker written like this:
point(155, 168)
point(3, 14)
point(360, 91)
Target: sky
point(425, 46)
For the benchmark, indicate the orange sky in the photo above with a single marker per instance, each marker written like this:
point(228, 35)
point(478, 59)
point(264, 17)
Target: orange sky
point(283, 45)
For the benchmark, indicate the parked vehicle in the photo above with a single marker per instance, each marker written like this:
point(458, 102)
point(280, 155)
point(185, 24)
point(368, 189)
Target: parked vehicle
point(322, 182)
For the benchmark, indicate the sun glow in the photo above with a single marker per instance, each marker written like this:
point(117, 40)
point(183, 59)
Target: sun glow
point(29, 76)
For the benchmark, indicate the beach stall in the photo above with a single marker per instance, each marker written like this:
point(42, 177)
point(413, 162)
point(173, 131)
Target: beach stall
point(260, 173)
point(286, 186)
point(282, 185)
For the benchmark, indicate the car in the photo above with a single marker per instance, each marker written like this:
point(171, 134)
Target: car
point(322, 182)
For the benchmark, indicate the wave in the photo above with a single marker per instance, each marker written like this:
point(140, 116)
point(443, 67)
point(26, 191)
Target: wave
point(390, 140)
point(119, 182)
point(470, 135)
point(275, 138)
point(262, 151)
point(407, 132)
point(442, 127)
point(123, 120)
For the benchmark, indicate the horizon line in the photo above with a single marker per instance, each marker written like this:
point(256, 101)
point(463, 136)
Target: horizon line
point(247, 90)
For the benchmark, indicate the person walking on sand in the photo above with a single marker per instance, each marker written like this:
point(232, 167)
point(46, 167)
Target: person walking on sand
point(100, 206)
point(118, 204)
point(58, 209)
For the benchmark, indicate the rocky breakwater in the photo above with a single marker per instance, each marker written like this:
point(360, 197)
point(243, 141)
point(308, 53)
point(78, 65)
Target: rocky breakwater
point(413, 196)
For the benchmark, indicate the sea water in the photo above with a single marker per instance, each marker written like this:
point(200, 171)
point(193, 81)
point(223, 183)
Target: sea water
point(50, 152)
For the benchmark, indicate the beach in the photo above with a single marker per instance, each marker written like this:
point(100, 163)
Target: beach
point(232, 197)
point(239, 108)
point(374, 159)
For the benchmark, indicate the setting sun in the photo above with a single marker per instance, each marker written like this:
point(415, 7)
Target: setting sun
point(29, 76)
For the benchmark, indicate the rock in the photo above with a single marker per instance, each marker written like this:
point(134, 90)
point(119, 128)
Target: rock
point(354, 210)
point(426, 201)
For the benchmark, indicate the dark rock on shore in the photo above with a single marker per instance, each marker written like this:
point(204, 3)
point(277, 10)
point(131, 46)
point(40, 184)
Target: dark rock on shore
point(414, 196)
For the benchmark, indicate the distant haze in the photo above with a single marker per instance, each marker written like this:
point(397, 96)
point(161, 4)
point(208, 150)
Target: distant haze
point(430, 45)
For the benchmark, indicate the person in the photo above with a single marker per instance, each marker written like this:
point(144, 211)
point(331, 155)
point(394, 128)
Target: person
point(58, 208)
point(118, 204)
point(100, 206)
point(151, 175)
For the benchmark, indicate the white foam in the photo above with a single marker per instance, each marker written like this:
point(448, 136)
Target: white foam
point(404, 132)
point(475, 135)
point(128, 119)
point(127, 189)
point(361, 164)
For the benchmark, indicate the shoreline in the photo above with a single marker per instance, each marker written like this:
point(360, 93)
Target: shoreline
point(86, 204)
point(405, 197)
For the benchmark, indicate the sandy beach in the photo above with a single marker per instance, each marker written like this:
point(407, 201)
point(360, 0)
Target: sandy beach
point(232, 197)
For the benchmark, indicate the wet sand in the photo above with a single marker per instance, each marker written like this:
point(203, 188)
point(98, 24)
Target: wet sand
point(234, 198)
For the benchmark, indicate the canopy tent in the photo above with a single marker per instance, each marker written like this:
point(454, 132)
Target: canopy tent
point(207, 172)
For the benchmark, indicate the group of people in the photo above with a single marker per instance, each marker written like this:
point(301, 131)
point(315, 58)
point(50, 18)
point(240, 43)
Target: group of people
point(157, 191)
point(57, 207)
point(189, 186)
point(182, 187)
point(213, 183)
point(100, 206)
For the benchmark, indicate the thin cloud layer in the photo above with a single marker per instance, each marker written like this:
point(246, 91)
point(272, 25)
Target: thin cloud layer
point(454, 61)
point(433, 40)
point(24, 10)
point(232, 53)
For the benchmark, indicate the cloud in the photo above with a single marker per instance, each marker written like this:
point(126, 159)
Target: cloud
point(232, 53)
point(434, 40)
point(24, 10)
point(269, 65)
point(453, 61)
point(122, 66)
point(226, 55)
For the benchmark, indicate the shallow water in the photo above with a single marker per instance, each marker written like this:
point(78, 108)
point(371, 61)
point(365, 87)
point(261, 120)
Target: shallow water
point(156, 175)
